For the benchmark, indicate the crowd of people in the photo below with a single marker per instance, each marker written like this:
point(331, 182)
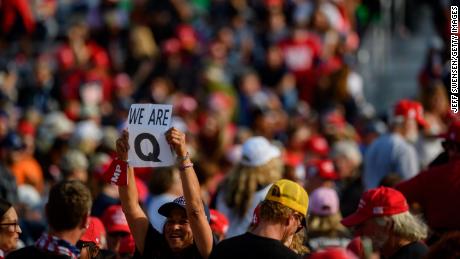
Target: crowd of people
point(279, 154)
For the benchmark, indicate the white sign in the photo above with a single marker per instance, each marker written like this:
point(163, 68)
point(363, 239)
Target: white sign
point(147, 124)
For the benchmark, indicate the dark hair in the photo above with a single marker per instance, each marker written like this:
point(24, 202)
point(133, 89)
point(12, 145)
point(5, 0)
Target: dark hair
point(4, 207)
point(162, 179)
point(68, 204)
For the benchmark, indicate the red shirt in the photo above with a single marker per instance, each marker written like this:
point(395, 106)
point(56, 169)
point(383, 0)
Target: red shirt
point(437, 190)
point(299, 56)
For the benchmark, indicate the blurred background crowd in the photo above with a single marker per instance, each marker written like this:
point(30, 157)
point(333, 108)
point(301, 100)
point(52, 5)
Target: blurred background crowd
point(295, 72)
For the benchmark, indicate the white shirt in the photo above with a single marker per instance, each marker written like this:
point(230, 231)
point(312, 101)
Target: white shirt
point(237, 225)
point(153, 204)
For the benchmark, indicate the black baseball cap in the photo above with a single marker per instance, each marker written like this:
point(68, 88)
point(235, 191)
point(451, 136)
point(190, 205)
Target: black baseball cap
point(179, 202)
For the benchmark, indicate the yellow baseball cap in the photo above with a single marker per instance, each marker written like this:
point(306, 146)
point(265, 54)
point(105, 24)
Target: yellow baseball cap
point(290, 194)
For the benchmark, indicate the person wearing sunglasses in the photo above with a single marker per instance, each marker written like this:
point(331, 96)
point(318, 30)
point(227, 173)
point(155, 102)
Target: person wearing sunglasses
point(9, 228)
point(281, 215)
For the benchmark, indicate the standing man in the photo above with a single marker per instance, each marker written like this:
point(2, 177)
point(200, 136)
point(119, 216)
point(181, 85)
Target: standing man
point(282, 214)
point(437, 188)
point(394, 152)
point(383, 216)
point(67, 213)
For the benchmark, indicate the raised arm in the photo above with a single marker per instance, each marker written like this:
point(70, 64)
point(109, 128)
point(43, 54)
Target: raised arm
point(202, 233)
point(137, 220)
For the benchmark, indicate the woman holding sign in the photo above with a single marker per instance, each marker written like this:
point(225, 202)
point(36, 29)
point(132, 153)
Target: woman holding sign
point(186, 233)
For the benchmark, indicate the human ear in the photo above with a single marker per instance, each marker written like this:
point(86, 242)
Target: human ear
point(85, 222)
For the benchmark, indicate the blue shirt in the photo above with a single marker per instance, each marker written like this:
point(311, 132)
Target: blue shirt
point(390, 153)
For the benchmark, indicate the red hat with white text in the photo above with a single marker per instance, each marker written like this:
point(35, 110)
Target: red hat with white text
point(381, 201)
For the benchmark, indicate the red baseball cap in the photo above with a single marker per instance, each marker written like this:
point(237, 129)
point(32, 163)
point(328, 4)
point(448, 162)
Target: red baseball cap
point(335, 119)
point(381, 201)
point(114, 220)
point(127, 245)
point(95, 232)
point(26, 128)
point(318, 145)
point(324, 168)
point(219, 223)
point(453, 133)
point(411, 110)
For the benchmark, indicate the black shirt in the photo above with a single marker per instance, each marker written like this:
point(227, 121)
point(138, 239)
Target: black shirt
point(251, 246)
point(33, 252)
point(413, 250)
point(155, 246)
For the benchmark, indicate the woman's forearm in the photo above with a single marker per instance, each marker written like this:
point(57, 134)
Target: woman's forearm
point(137, 220)
point(195, 211)
point(128, 194)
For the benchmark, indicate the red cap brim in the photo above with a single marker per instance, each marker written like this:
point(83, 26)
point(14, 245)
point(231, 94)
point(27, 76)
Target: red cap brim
point(118, 228)
point(422, 122)
point(354, 219)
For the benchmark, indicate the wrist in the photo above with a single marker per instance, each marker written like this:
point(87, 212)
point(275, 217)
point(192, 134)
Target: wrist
point(185, 166)
point(122, 159)
point(183, 158)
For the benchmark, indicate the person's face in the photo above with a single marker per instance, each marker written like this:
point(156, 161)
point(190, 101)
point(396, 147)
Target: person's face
point(378, 234)
point(411, 130)
point(9, 230)
point(344, 166)
point(294, 226)
point(177, 230)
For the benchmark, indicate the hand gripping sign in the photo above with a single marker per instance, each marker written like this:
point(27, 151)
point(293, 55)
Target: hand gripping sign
point(147, 124)
point(117, 173)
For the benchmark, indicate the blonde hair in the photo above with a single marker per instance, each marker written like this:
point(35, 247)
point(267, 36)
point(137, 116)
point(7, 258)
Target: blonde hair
point(273, 211)
point(244, 181)
point(406, 225)
point(297, 244)
point(144, 44)
point(276, 212)
point(329, 226)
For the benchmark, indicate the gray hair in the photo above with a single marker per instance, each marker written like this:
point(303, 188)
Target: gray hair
point(406, 225)
point(348, 149)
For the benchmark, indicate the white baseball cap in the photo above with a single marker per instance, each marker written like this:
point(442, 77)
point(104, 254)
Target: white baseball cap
point(258, 151)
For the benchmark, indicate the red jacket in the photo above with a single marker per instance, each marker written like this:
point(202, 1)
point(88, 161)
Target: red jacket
point(437, 190)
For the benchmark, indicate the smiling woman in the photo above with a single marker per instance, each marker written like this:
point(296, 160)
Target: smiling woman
point(9, 228)
point(186, 233)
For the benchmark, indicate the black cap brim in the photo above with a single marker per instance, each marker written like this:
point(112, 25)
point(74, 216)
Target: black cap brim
point(166, 208)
